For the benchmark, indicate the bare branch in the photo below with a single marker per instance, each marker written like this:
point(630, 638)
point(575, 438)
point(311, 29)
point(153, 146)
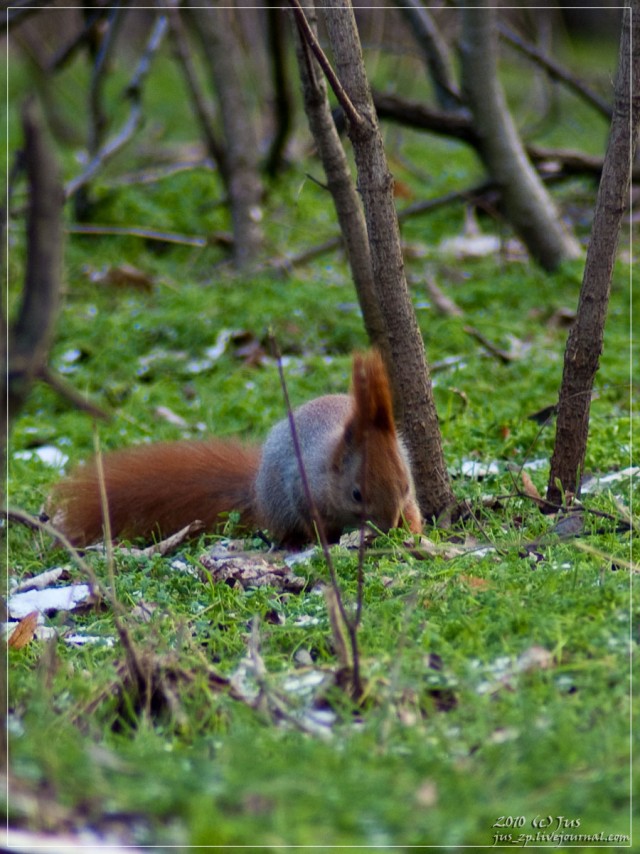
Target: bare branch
point(555, 70)
point(67, 391)
point(434, 50)
point(201, 107)
point(133, 94)
point(338, 90)
point(340, 184)
point(31, 335)
point(143, 233)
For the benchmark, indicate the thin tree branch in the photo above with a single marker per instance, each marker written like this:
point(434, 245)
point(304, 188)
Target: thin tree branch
point(201, 107)
point(133, 94)
point(555, 70)
point(338, 90)
point(436, 55)
point(67, 391)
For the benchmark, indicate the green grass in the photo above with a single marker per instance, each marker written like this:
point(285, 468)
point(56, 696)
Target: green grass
point(457, 732)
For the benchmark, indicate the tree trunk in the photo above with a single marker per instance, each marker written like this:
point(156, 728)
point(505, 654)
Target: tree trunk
point(527, 205)
point(584, 344)
point(30, 336)
point(340, 183)
point(217, 28)
point(407, 367)
point(283, 108)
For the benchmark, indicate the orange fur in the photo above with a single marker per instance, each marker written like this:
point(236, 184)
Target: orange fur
point(158, 489)
point(372, 394)
point(356, 465)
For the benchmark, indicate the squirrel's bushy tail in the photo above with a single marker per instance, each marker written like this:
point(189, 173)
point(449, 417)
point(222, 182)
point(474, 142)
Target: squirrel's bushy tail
point(158, 489)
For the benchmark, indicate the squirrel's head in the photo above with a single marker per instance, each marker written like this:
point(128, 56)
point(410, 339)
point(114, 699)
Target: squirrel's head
point(373, 474)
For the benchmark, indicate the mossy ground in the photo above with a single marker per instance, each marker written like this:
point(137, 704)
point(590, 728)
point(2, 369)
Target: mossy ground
point(537, 742)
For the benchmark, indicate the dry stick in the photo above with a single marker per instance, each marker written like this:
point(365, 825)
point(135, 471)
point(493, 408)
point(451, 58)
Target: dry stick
point(345, 102)
point(500, 354)
point(143, 233)
point(133, 93)
point(319, 526)
point(415, 209)
point(158, 173)
point(104, 505)
point(67, 391)
point(133, 660)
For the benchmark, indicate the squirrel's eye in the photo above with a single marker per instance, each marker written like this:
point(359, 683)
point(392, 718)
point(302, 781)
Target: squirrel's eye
point(356, 495)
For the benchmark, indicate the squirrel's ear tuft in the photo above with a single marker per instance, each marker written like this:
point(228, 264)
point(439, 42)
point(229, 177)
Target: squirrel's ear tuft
point(372, 394)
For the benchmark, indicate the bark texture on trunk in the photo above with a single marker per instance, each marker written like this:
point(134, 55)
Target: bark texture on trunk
point(217, 27)
point(348, 207)
point(407, 366)
point(584, 345)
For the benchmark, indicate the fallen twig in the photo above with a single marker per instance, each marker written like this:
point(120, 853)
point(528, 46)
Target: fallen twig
point(67, 391)
point(500, 354)
point(143, 233)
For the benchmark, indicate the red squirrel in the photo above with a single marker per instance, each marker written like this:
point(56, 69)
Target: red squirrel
point(356, 465)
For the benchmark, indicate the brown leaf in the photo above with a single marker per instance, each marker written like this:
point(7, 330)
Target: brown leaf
point(427, 794)
point(475, 583)
point(250, 571)
point(529, 487)
point(127, 276)
point(24, 631)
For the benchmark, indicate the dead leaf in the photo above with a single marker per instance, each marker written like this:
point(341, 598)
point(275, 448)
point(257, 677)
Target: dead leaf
point(24, 631)
point(529, 487)
point(250, 571)
point(427, 794)
point(562, 318)
point(402, 190)
point(425, 549)
point(534, 658)
point(44, 579)
point(124, 276)
point(474, 582)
